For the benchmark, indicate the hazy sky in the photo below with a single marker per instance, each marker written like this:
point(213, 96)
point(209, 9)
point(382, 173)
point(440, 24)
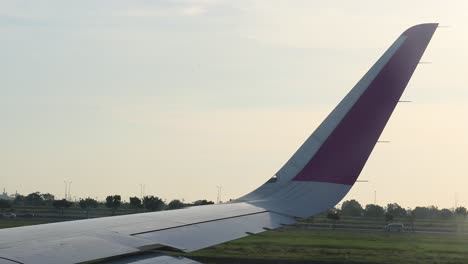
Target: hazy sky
point(183, 96)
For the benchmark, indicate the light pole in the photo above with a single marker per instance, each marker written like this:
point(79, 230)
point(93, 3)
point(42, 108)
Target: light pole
point(66, 187)
point(218, 199)
point(67, 190)
point(69, 187)
point(142, 191)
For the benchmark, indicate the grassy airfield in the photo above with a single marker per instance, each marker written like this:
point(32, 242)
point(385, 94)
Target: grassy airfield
point(333, 246)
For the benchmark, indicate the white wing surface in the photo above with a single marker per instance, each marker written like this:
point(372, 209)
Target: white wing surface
point(315, 179)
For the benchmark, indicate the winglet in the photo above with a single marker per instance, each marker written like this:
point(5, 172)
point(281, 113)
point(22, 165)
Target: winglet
point(324, 168)
point(345, 150)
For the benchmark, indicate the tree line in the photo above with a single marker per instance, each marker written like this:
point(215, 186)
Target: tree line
point(393, 210)
point(112, 202)
point(351, 208)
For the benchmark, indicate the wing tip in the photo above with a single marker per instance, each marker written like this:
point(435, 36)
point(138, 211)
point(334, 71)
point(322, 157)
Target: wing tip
point(424, 28)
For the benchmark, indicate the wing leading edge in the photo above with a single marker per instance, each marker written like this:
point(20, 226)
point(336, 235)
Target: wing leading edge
point(315, 179)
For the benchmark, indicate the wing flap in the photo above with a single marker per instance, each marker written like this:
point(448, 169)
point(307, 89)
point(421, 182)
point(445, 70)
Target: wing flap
point(194, 237)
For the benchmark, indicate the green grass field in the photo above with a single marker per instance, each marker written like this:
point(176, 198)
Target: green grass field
point(331, 246)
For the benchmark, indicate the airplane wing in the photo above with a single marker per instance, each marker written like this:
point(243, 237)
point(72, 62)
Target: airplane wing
point(314, 179)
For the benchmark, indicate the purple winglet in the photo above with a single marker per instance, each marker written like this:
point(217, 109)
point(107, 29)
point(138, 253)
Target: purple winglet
point(342, 156)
